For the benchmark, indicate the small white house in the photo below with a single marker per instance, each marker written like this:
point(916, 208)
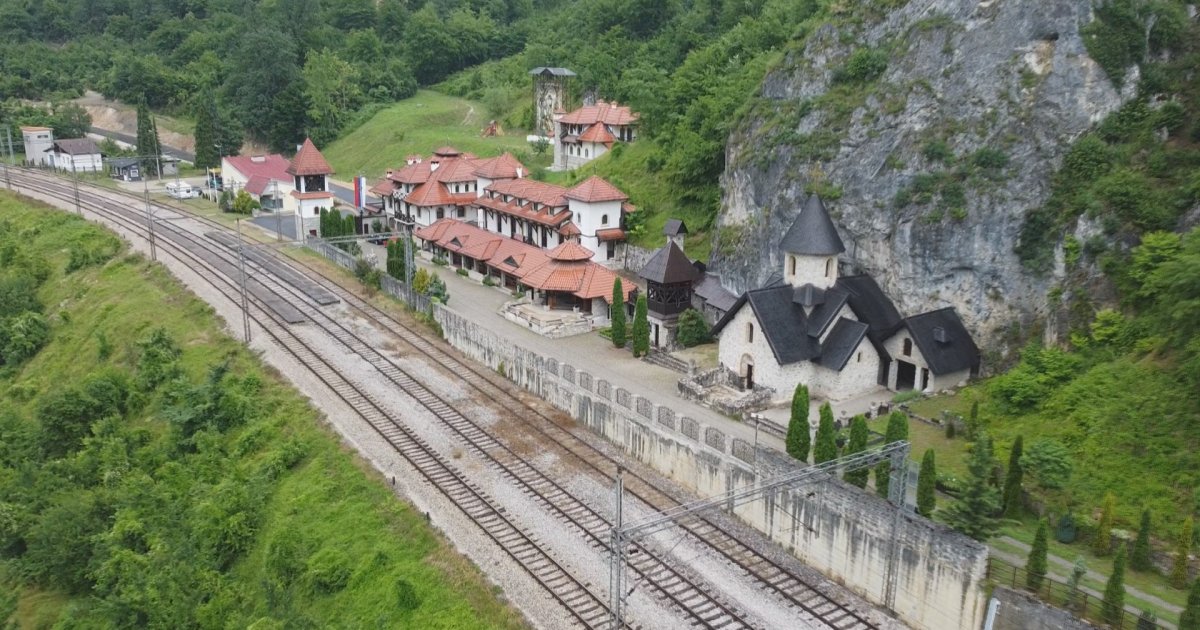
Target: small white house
point(840, 336)
point(79, 155)
point(38, 141)
point(590, 131)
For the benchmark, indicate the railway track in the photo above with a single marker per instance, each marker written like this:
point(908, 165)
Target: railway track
point(763, 570)
point(685, 593)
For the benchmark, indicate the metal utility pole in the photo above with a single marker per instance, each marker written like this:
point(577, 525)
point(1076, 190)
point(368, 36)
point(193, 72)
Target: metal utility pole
point(75, 185)
point(149, 218)
point(242, 268)
point(8, 137)
point(617, 557)
point(277, 201)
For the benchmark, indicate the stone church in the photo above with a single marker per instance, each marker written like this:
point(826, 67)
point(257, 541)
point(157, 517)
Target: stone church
point(839, 335)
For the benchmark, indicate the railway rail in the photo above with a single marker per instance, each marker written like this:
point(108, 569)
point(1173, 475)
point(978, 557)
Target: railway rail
point(684, 592)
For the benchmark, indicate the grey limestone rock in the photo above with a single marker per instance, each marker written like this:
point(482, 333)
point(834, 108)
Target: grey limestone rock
point(1009, 75)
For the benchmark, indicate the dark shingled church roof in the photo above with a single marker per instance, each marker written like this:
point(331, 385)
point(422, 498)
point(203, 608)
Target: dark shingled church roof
point(710, 290)
point(871, 306)
point(821, 316)
point(783, 324)
point(841, 342)
point(674, 227)
point(812, 233)
point(943, 340)
point(668, 265)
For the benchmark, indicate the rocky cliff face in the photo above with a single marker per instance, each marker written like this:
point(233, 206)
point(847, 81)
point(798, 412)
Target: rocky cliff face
point(939, 124)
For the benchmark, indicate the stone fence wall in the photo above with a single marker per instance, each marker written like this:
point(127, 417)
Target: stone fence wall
point(843, 531)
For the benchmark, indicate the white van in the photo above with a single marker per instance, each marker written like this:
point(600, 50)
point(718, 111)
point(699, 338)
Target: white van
point(181, 190)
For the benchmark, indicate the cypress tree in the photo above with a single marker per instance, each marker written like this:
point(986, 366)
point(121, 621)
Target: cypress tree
point(973, 513)
point(1179, 570)
point(1113, 608)
point(1139, 558)
point(897, 429)
point(1012, 483)
point(858, 444)
point(927, 485)
point(973, 421)
point(1102, 541)
point(826, 445)
point(1190, 618)
point(147, 140)
point(206, 141)
point(798, 439)
point(616, 313)
point(1035, 568)
point(641, 328)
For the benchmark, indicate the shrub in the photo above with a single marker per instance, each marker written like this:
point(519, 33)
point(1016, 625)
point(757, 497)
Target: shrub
point(327, 571)
point(937, 151)
point(692, 330)
point(462, 272)
point(864, 65)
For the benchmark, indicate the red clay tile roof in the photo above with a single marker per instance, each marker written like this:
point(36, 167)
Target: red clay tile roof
point(257, 184)
point(382, 187)
point(412, 174)
point(594, 189)
point(505, 166)
point(610, 234)
point(607, 113)
point(532, 190)
point(273, 166)
point(525, 211)
point(447, 151)
point(309, 161)
point(569, 229)
point(435, 194)
point(597, 133)
point(570, 250)
point(533, 267)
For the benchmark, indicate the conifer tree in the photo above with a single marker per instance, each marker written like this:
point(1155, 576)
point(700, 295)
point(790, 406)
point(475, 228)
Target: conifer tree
point(1102, 542)
point(1035, 568)
point(1179, 569)
point(927, 485)
point(973, 513)
point(897, 429)
point(147, 140)
point(1139, 558)
point(1012, 482)
point(641, 328)
point(1190, 618)
point(206, 142)
point(825, 448)
point(858, 444)
point(798, 438)
point(616, 314)
point(1113, 607)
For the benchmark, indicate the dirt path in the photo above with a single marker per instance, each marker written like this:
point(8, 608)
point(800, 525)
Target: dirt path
point(121, 118)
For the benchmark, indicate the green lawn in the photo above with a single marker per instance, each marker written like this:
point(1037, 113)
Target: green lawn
point(328, 545)
point(418, 125)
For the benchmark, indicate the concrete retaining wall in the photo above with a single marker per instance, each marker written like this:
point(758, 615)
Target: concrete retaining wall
point(843, 531)
point(1021, 611)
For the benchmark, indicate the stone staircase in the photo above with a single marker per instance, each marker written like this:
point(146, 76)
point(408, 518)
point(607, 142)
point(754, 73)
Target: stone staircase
point(664, 359)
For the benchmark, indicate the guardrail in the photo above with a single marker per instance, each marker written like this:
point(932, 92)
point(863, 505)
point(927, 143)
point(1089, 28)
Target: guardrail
point(388, 284)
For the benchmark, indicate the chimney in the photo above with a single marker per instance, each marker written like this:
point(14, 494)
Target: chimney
point(388, 173)
point(940, 336)
point(298, 147)
point(520, 172)
point(433, 165)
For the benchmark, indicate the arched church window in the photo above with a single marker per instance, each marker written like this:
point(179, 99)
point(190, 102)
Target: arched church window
point(907, 347)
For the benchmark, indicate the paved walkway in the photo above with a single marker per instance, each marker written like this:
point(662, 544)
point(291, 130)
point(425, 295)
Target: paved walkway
point(1067, 566)
point(590, 352)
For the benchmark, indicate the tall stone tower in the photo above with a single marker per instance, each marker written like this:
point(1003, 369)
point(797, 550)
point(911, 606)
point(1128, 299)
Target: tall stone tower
point(811, 247)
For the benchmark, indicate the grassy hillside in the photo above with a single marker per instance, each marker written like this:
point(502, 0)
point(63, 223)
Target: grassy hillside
point(154, 474)
point(418, 125)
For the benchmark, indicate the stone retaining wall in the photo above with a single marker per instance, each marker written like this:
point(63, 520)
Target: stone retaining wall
point(843, 531)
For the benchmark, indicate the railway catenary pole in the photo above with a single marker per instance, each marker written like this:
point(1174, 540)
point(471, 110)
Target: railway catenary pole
point(617, 556)
point(149, 217)
point(277, 202)
point(8, 138)
point(75, 186)
point(242, 269)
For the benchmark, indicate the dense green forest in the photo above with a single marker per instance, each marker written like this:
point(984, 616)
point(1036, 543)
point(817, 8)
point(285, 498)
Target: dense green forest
point(153, 474)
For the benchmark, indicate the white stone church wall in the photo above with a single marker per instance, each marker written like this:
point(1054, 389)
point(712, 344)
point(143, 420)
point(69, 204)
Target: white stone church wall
point(810, 270)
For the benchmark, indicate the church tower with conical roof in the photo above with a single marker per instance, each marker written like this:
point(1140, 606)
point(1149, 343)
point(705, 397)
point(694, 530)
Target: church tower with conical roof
point(810, 248)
